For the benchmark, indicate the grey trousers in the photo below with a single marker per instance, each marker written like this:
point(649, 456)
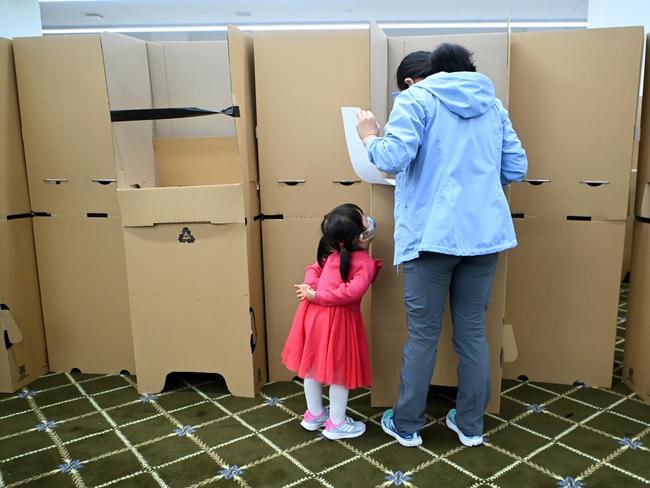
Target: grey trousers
point(427, 282)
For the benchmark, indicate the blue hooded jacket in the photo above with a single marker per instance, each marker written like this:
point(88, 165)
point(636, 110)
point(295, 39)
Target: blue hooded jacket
point(452, 146)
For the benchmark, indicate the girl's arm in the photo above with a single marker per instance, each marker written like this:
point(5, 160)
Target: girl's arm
point(312, 275)
point(350, 292)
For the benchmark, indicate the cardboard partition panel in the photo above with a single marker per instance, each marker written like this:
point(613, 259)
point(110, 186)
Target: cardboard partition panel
point(66, 124)
point(636, 362)
point(643, 180)
point(14, 197)
point(193, 240)
point(304, 166)
point(562, 299)
point(388, 319)
point(23, 355)
point(82, 275)
point(575, 119)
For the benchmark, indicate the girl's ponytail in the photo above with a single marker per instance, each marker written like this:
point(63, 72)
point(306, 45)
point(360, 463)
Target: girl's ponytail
point(346, 257)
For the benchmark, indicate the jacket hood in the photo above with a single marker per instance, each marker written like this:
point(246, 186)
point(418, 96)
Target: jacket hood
point(467, 94)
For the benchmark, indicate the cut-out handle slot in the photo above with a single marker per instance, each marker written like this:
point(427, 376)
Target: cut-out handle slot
point(594, 182)
point(292, 182)
point(346, 182)
point(536, 182)
point(253, 330)
point(55, 181)
point(104, 181)
point(12, 334)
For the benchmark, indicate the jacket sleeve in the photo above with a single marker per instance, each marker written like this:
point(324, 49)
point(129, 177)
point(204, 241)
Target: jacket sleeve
point(403, 136)
point(514, 163)
point(312, 275)
point(350, 292)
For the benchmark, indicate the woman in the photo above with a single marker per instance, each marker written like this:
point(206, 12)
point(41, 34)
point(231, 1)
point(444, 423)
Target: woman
point(451, 144)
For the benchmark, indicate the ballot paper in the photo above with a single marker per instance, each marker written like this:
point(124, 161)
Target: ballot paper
point(358, 152)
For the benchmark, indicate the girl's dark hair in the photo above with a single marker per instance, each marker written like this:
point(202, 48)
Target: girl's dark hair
point(414, 65)
point(340, 229)
point(451, 58)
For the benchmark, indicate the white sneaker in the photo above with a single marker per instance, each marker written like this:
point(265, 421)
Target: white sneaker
point(469, 441)
point(345, 430)
point(314, 422)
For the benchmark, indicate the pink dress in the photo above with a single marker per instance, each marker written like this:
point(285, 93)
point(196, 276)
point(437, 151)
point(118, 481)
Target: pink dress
point(327, 341)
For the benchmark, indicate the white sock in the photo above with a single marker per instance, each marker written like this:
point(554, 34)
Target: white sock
point(338, 403)
point(314, 396)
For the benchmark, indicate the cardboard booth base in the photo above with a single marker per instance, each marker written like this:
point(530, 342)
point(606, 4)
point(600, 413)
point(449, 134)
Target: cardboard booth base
point(23, 355)
point(562, 299)
point(194, 306)
point(636, 362)
point(84, 290)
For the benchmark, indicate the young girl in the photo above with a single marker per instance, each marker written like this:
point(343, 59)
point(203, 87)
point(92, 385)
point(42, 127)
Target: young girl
point(327, 342)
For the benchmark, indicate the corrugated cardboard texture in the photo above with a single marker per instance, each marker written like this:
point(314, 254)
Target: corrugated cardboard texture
point(562, 299)
point(636, 362)
point(300, 130)
point(85, 301)
point(66, 124)
point(379, 94)
point(14, 196)
point(190, 305)
point(198, 161)
point(389, 318)
point(209, 203)
point(127, 79)
point(643, 181)
point(575, 119)
point(192, 74)
point(25, 361)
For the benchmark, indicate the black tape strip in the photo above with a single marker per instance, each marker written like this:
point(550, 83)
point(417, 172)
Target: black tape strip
point(579, 218)
point(42, 214)
point(97, 215)
point(168, 113)
point(19, 216)
point(270, 217)
point(518, 216)
point(258, 217)
point(645, 220)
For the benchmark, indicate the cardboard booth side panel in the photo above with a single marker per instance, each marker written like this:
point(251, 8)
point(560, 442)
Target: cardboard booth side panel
point(126, 68)
point(82, 275)
point(190, 303)
point(304, 164)
point(66, 124)
point(26, 360)
point(562, 299)
point(14, 196)
point(576, 120)
point(378, 73)
point(636, 362)
point(256, 290)
point(242, 76)
point(643, 180)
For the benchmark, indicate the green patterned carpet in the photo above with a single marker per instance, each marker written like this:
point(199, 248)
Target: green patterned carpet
point(76, 430)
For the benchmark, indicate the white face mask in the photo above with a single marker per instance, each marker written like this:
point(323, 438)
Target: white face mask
point(370, 231)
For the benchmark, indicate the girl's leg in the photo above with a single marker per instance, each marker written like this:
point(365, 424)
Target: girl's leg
point(338, 403)
point(314, 396)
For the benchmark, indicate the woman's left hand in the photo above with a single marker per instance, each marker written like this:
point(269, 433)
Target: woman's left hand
point(367, 125)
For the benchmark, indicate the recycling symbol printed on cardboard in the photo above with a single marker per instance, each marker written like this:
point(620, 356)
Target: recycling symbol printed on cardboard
point(186, 236)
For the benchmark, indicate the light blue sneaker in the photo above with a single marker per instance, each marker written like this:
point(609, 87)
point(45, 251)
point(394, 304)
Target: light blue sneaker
point(469, 441)
point(314, 422)
point(407, 440)
point(348, 429)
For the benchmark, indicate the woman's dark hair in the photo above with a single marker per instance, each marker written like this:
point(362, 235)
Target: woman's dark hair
point(340, 229)
point(414, 65)
point(451, 58)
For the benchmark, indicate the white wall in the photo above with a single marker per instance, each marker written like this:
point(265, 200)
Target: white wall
point(20, 18)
